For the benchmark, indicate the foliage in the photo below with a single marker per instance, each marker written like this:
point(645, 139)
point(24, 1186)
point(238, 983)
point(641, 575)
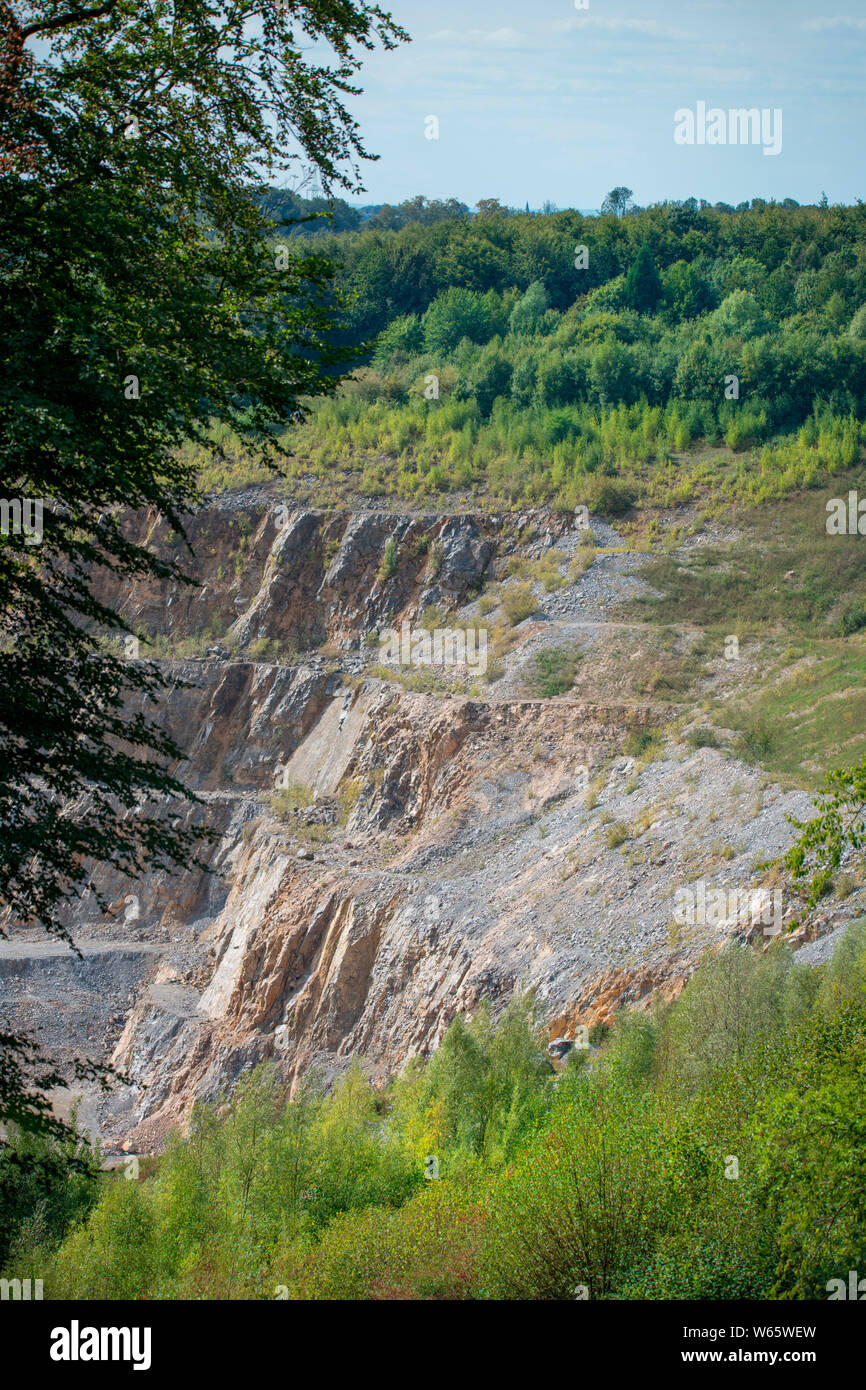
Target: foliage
point(713, 1149)
point(839, 824)
point(551, 672)
point(47, 1183)
point(390, 559)
point(643, 287)
point(551, 376)
point(140, 304)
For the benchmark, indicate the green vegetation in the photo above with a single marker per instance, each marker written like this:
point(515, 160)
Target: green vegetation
point(600, 384)
point(781, 571)
point(791, 689)
point(644, 744)
point(139, 307)
point(517, 602)
point(294, 796)
point(390, 559)
point(617, 835)
point(47, 1183)
point(551, 672)
point(839, 825)
point(712, 1150)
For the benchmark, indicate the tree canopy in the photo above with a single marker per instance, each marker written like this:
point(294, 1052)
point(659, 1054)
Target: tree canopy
point(144, 295)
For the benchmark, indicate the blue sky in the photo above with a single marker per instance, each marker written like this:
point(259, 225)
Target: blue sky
point(539, 100)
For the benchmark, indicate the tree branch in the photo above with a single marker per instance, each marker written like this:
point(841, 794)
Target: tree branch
point(71, 17)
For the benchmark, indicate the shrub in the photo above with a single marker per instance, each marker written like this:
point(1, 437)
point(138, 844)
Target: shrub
point(607, 497)
point(642, 743)
point(617, 835)
point(755, 742)
point(390, 559)
point(704, 737)
point(518, 602)
point(854, 618)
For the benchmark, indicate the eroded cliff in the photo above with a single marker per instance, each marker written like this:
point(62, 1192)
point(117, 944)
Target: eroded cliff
point(388, 856)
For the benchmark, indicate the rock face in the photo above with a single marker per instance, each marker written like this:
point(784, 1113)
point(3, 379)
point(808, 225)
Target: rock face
point(303, 577)
point(424, 851)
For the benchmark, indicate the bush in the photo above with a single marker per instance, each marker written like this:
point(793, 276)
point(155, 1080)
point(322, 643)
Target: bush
point(854, 618)
point(617, 835)
point(518, 602)
point(703, 738)
point(755, 742)
point(712, 1150)
point(390, 559)
point(643, 743)
point(45, 1187)
point(608, 498)
point(578, 1208)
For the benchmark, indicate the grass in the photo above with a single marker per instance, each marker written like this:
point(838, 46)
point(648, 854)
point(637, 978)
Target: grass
point(348, 797)
point(551, 673)
point(273, 649)
point(422, 680)
point(617, 835)
point(704, 737)
point(803, 719)
point(294, 796)
point(853, 619)
point(545, 571)
point(583, 558)
point(518, 602)
point(645, 744)
point(748, 584)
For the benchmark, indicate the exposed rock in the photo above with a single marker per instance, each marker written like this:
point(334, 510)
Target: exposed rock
point(459, 855)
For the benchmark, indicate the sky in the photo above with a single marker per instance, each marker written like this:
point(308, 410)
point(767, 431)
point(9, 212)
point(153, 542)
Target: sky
point(537, 100)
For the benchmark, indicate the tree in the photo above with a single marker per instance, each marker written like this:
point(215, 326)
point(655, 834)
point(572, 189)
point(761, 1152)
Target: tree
point(739, 316)
point(528, 313)
point(840, 824)
point(402, 336)
point(617, 201)
point(455, 315)
point(490, 377)
point(139, 302)
point(611, 373)
point(687, 294)
point(490, 207)
point(643, 287)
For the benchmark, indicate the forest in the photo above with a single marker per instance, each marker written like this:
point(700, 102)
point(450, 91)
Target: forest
point(527, 357)
point(707, 1149)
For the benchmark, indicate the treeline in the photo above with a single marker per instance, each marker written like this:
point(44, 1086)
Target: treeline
point(701, 254)
point(504, 350)
point(712, 1149)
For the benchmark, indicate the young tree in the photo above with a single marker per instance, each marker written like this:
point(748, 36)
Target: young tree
point(455, 315)
point(839, 825)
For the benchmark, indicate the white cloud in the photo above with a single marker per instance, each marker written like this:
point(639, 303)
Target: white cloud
point(619, 25)
point(497, 38)
point(814, 25)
